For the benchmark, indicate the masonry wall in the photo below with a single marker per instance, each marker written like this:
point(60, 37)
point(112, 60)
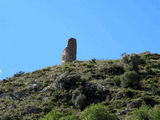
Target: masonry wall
point(70, 52)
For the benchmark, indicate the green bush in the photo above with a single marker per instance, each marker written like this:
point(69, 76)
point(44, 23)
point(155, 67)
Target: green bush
point(53, 115)
point(130, 79)
point(155, 113)
point(98, 112)
point(156, 91)
point(112, 68)
point(132, 61)
point(45, 84)
point(69, 117)
point(117, 81)
point(66, 68)
point(67, 81)
point(146, 112)
point(80, 101)
point(135, 59)
point(142, 113)
point(18, 74)
point(76, 93)
point(125, 59)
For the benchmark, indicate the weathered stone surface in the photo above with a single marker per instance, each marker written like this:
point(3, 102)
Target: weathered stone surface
point(70, 52)
point(3, 95)
point(67, 81)
point(46, 89)
point(35, 86)
point(124, 112)
point(134, 104)
point(32, 109)
point(18, 95)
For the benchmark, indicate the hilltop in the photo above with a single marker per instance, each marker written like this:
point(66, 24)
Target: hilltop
point(121, 85)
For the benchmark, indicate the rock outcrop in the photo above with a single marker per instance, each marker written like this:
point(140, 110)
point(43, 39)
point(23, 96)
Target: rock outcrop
point(70, 52)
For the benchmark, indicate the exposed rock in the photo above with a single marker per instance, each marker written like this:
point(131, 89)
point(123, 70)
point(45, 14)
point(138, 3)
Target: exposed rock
point(30, 98)
point(12, 106)
point(66, 81)
point(134, 104)
point(3, 95)
point(90, 86)
point(80, 101)
point(35, 86)
point(123, 112)
point(70, 52)
point(119, 95)
point(31, 109)
point(18, 94)
point(99, 86)
point(102, 86)
point(46, 89)
point(18, 74)
point(46, 98)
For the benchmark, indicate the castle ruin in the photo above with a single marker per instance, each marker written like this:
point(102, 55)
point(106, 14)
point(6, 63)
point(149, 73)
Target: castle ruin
point(70, 52)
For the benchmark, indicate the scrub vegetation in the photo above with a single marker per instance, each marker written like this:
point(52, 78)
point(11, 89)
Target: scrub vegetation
point(122, 89)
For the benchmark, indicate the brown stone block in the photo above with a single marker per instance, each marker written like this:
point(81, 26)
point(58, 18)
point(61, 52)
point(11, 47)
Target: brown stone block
point(70, 52)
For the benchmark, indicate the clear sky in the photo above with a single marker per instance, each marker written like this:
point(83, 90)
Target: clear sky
point(33, 33)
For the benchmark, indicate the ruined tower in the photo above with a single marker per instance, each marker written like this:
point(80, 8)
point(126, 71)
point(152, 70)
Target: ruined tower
point(70, 52)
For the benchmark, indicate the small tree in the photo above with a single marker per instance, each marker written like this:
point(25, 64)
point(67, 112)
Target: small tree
point(67, 81)
point(146, 112)
point(130, 79)
point(53, 115)
point(155, 113)
point(132, 61)
point(69, 117)
point(80, 101)
point(98, 112)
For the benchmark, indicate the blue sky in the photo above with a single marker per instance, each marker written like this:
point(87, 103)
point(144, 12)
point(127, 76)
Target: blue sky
point(33, 33)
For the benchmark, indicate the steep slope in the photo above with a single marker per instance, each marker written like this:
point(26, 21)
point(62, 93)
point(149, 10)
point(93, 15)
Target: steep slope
point(120, 84)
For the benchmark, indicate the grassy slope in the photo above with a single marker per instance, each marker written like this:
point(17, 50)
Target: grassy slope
point(32, 95)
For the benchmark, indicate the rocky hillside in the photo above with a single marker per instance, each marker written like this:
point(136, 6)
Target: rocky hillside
point(121, 85)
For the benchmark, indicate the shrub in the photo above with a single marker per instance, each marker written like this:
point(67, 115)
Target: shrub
point(18, 74)
point(112, 68)
point(45, 84)
point(149, 100)
point(67, 81)
point(142, 113)
point(6, 117)
point(130, 79)
point(135, 59)
point(53, 115)
point(117, 81)
point(78, 98)
point(146, 112)
point(77, 92)
point(125, 59)
point(80, 101)
point(69, 117)
point(156, 91)
point(98, 112)
point(132, 61)
point(93, 60)
point(66, 68)
point(156, 113)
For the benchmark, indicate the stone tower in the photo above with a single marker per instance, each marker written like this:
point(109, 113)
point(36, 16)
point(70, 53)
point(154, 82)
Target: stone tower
point(70, 52)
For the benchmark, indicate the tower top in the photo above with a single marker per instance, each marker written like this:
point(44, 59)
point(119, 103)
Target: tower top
point(70, 52)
